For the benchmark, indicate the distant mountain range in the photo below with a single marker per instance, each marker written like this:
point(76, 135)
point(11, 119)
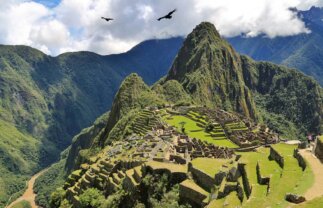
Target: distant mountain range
point(303, 51)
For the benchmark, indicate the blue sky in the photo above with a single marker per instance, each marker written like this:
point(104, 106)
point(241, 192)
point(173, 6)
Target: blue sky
point(58, 26)
point(49, 3)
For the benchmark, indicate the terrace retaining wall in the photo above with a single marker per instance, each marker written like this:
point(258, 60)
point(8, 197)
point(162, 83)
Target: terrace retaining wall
point(274, 155)
point(202, 179)
point(194, 198)
point(246, 184)
point(318, 149)
point(177, 159)
point(262, 180)
point(300, 159)
point(174, 177)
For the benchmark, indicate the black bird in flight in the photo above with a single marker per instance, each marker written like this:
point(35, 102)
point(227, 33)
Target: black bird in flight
point(107, 19)
point(168, 16)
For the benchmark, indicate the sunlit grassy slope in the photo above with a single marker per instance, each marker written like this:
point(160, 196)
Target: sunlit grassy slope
point(194, 131)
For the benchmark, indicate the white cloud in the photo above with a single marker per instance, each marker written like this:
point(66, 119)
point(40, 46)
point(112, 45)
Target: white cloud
point(76, 24)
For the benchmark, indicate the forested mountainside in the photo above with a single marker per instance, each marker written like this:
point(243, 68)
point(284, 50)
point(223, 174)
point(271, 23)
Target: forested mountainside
point(303, 51)
point(215, 75)
point(45, 101)
point(207, 72)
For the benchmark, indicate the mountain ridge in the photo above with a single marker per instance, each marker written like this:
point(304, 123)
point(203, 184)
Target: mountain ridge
point(301, 51)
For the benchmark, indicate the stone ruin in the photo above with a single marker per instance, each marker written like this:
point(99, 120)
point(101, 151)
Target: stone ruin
point(188, 149)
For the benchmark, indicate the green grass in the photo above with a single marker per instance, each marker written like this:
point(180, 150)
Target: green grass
point(290, 179)
point(314, 203)
point(22, 204)
point(320, 138)
point(231, 200)
point(209, 166)
point(194, 131)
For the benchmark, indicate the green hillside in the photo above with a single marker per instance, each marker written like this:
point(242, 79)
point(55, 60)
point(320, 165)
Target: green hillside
point(50, 99)
point(206, 77)
point(219, 101)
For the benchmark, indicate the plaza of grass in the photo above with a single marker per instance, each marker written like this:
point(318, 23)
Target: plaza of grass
point(193, 124)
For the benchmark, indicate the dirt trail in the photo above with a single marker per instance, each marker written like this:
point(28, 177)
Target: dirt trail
point(316, 190)
point(29, 194)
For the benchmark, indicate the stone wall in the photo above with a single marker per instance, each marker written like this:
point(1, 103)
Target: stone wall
point(274, 155)
point(177, 159)
point(195, 198)
point(174, 177)
point(262, 179)
point(300, 159)
point(318, 148)
point(202, 179)
point(227, 189)
point(246, 184)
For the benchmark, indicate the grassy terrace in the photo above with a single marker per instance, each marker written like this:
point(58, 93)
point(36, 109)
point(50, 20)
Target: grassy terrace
point(290, 179)
point(238, 126)
point(192, 185)
point(194, 131)
point(209, 166)
point(174, 168)
point(231, 200)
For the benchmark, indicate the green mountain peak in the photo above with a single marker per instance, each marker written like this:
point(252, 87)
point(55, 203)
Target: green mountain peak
point(210, 70)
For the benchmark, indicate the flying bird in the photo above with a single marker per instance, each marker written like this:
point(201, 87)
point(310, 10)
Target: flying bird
point(168, 16)
point(107, 19)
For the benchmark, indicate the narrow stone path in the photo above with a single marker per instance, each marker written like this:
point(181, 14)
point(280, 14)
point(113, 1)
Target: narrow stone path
point(317, 189)
point(29, 194)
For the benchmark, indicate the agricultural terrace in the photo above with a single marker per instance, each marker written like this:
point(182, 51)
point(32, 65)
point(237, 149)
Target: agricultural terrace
point(173, 168)
point(291, 179)
point(210, 166)
point(232, 200)
point(195, 128)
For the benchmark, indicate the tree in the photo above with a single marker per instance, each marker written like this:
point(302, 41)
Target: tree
point(182, 124)
point(209, 127)
point(91, 198)
point(56, 197)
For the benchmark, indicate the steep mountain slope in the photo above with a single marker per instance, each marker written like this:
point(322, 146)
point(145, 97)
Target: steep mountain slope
point(210, 70)
point(48, 100)
point(302, 51)
point(214, 74)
